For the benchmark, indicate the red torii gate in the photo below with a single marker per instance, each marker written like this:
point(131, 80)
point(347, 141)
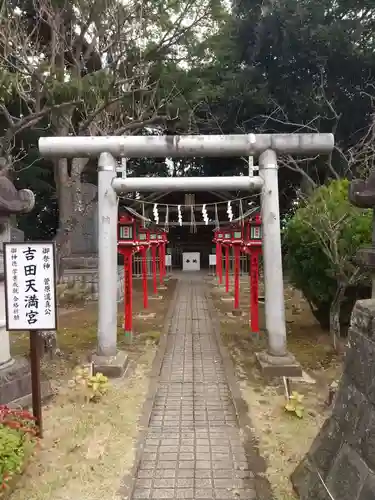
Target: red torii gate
point(133, 238)
point(246, 238)
point(253, 246)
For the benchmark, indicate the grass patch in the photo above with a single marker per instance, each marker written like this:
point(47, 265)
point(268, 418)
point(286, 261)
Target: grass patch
point(88, 448)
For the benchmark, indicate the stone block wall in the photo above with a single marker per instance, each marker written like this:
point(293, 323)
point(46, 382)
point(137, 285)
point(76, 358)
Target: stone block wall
point(340, 464)
point(88, 280)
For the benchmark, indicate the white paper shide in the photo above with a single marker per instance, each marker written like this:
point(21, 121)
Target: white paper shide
point(30, 286)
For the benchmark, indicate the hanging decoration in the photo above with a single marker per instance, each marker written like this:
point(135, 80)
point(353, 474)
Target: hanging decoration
point(235, 209)
point(240, 212)
point(205, 215)
point(179, 215)
point(143, 214)
point(193, 226)
point(166, 222)
point(233, 201)
point(217, 222)
point(229, 211)
point(156, 213)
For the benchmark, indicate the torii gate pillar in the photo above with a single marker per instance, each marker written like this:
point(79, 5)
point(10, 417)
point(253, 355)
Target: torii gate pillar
point(277, 360)
point(107, 359)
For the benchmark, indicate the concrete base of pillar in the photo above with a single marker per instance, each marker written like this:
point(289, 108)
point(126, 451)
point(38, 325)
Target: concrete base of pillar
point(237, 312)
point(15, 384)
point(145, 315)
point(278, 366)
point(220, 288)
point(226, 299)
point(110, 366)
point(128, 336)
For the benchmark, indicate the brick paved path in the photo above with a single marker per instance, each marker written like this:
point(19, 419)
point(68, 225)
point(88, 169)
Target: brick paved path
point(192, 448)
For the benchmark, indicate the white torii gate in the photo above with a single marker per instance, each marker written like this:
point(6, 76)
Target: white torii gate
point(109, 186)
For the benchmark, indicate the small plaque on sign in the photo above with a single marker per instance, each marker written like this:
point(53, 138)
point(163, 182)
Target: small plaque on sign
point(160, 237)
point(142, 237)
point(126, 232)
point(227, 236)
point(30, 286)
point(220, 235)
point(152, 236)
point(237, 235)
point(212, 260)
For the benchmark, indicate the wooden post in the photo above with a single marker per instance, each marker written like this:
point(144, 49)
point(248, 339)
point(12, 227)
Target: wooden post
point(36, 391)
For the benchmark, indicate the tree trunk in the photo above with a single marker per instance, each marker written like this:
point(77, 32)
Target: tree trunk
point(334, 314)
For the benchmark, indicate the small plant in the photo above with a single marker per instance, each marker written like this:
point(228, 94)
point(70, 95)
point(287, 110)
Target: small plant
point(95, 386)
point(294, 404)
point(17, 442)
point(152, 336)
point(81, 376)
point(98, 385)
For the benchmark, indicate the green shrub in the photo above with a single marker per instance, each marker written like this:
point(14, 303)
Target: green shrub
point(17, 441)
point(321, 240)
point(12, 452)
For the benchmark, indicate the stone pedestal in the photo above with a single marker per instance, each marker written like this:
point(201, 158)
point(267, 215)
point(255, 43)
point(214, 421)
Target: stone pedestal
point(110, 366)
point(155, 297)
point(237, 313)
point(15, 381)
point(278, 366)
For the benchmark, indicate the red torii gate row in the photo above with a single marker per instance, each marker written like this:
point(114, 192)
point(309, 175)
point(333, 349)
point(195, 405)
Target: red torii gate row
point(246, 238)
point(133, 238)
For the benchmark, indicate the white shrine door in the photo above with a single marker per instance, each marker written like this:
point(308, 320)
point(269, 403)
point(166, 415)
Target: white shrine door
point(191, 261)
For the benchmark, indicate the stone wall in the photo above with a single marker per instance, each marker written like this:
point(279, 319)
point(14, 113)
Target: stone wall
point(88, 280)
point(340, 464)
